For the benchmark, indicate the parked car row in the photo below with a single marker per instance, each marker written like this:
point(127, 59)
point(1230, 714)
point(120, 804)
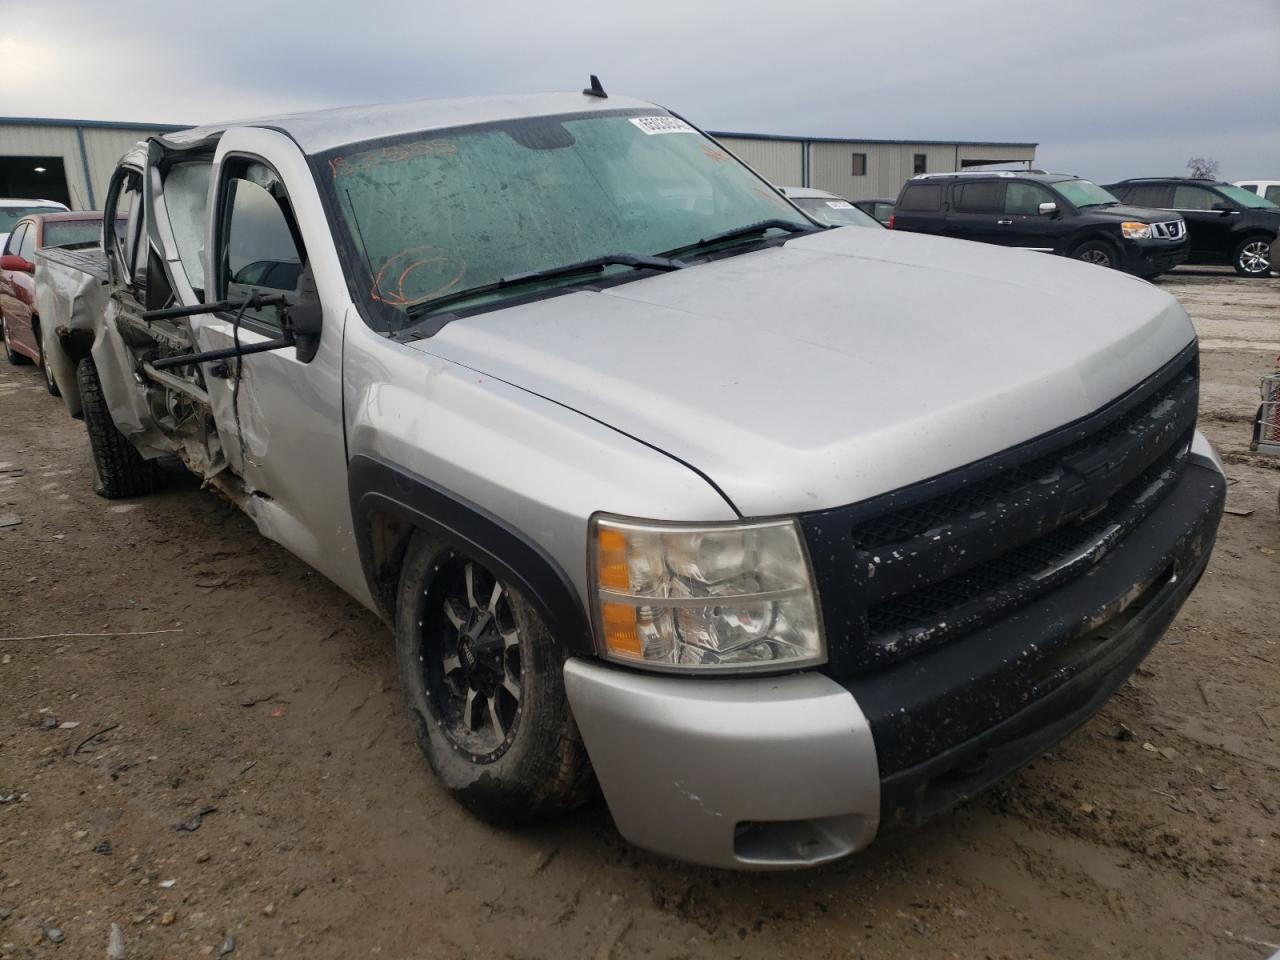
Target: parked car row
point(1145, 227)
point(1045, 212)
point(631, 451)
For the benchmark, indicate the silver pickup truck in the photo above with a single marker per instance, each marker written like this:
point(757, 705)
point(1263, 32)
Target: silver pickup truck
point(782, 534)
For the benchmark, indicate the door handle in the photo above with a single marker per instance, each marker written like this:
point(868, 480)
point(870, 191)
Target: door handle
point(1003, 223)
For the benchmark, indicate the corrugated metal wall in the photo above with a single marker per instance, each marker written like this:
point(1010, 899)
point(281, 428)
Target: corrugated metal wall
point(781, 162)
point(888, 165)
point(103, 148)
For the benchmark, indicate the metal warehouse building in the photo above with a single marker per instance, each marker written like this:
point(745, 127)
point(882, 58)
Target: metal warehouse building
point(65, 160)
point(71, 160)
point(862, 169)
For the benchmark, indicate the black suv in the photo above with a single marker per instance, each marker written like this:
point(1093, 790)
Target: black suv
point(1227, 224)
point(1043, 211)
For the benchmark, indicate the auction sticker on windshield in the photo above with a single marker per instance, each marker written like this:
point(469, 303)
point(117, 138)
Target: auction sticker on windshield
point(652, 125)
point(839, 204)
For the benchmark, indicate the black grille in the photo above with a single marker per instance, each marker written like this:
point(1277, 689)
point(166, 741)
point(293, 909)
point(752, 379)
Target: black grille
point(922, 566)
point(1006, 575)
point(919, 520)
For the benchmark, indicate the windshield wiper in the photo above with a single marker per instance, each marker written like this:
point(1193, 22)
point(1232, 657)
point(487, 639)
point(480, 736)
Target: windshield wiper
point(593, 265)
point(749, 230)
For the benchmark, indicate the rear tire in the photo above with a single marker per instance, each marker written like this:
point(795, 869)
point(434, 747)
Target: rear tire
point(483, 680)
point(118, 469)
point(1098, 252)
point(50, 384)
point(15, 358)
point(1252, 257)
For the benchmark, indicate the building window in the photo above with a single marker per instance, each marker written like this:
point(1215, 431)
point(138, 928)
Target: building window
point(859, 164)
point(920, 164)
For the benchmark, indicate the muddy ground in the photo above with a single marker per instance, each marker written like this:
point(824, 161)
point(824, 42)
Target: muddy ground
point(272, 703)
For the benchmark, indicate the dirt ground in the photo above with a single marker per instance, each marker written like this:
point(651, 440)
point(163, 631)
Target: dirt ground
point(264, 696)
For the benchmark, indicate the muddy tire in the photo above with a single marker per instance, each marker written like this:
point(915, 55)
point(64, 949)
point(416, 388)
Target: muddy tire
point(15, 358)
point(484, 684)
point(118, 469)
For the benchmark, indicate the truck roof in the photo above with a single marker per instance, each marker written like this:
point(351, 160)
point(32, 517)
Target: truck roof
point(321, 130)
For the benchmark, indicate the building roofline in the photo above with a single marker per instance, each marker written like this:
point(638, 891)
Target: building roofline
point(89, 124)
point(924, 143)
point(173, 127)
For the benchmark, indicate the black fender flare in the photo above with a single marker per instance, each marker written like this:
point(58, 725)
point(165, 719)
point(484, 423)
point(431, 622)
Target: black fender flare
point(377, 487)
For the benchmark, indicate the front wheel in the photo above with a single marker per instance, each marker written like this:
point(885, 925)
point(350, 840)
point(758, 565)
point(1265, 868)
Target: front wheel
point(1252, 257)
point(483, 680)
point(1097, 252)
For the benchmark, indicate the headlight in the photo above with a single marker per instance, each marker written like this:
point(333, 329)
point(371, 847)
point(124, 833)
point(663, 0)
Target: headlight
point(1133, 230)
point(704, 597)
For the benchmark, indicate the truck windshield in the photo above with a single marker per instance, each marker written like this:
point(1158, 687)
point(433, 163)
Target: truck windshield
point(443, 212)
point(1084, 193)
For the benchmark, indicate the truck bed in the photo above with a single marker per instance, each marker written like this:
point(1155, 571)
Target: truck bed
point(90, 260)
point(72, 291)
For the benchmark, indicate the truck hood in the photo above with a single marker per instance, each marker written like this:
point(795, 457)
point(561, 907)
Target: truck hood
point(837, 366)
point(1122, 211)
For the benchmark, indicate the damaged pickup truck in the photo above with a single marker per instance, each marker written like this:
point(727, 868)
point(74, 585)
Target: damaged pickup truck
point(782, 534)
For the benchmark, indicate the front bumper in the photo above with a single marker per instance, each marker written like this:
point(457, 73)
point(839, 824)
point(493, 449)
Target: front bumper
point(791, 771)
point(1147, 258)
point(757, 773)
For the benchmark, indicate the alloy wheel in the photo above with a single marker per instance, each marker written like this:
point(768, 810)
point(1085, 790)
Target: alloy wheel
point(1255, 257)
point(471, 659)
point(1096, 256)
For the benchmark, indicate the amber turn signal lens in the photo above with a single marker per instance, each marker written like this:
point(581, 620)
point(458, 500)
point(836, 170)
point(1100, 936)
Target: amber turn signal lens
point(612, 560)
point(620, 634)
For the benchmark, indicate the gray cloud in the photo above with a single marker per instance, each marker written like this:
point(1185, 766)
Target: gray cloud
point(1108, 89)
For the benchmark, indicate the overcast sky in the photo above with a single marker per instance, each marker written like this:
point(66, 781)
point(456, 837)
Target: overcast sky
point(1109, 88)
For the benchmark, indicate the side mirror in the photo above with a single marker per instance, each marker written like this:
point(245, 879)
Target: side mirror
point(304, 317)
point(1224, 208)
point(1048, 208)
point(11, 261)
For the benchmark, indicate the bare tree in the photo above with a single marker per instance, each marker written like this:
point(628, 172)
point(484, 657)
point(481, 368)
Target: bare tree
point(1204, 168)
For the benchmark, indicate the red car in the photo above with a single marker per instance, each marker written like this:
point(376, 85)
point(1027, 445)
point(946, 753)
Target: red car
point(18, 321)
